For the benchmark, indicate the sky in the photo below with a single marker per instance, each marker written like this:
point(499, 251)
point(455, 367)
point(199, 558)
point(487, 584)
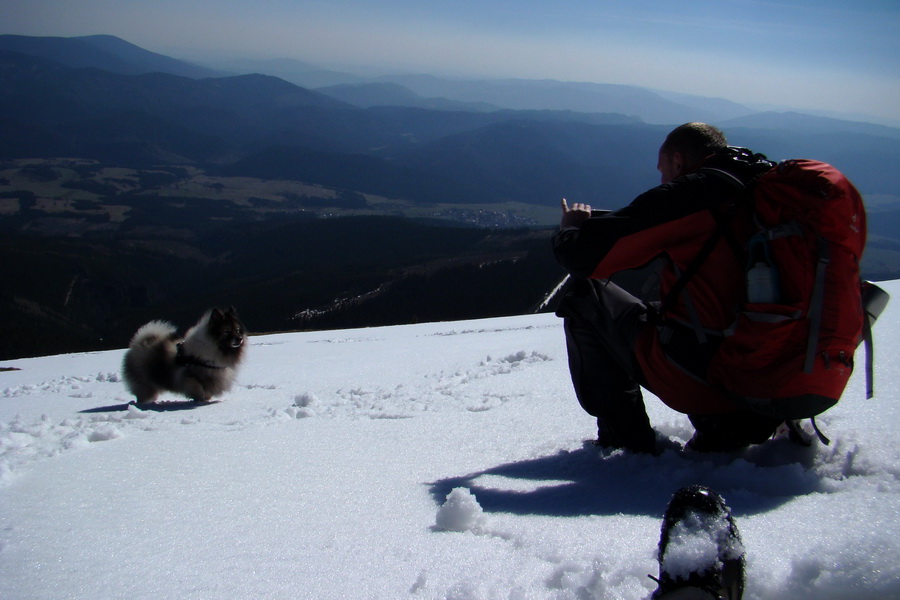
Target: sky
point(841, 55)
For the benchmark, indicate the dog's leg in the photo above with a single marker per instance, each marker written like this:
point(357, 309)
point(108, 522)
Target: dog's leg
point(149, 399)
point(195, 390)
point(144, 394)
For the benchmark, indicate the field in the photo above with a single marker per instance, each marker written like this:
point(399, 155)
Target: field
point(85, 196)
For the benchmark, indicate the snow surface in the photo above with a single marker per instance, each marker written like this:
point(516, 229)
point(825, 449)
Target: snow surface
point(325, 473)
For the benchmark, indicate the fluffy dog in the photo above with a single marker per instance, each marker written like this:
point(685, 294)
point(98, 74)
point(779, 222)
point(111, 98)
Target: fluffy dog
point(201, 365)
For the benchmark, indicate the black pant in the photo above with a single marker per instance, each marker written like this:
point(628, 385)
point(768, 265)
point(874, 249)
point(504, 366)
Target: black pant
point(602, 322)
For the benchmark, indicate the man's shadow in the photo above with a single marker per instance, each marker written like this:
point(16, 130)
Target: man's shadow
point(586, 481)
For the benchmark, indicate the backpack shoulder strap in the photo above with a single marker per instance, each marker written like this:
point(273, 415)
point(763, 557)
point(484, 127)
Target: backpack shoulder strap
point(692, 269)
point(722, 221)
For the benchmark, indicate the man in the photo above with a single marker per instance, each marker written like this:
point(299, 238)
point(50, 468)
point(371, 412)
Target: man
point(617, 342)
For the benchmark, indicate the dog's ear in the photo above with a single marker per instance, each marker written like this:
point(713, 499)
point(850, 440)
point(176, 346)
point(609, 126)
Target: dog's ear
point(232, 311)
point(216, 316)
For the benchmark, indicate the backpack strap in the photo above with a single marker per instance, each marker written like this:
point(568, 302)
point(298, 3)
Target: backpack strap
point(816, 305)
point(721, 230)
point(684, 278)
point(870, 359)
point(874, 301)
point(694, 316)
point(797, 435)
point(692, 269)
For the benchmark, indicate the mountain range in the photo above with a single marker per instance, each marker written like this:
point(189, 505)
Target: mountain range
point(105, 52)
point(111, 100)
point(152, 141)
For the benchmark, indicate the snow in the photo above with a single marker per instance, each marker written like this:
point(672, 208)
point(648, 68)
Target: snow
point(432, 461)
point(460, 512)
point(699, 539)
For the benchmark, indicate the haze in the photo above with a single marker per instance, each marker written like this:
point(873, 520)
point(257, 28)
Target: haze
point(828, 55)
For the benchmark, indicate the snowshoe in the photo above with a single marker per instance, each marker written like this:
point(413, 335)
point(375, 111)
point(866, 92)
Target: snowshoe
point(701, 556)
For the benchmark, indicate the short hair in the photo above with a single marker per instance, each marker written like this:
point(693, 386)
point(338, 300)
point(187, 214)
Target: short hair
point(695, 141)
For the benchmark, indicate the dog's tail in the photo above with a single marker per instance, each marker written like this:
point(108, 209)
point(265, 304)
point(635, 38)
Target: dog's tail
point(153, 332)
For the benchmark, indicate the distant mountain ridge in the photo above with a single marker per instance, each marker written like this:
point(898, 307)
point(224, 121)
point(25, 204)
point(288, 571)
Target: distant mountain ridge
point(418, 90)
point(526, 94)
point(297, 72)
point(809, 124)
point(113, 54)
point(436, 152)
point(49, 110)
point(367, 95)
point(105, 52)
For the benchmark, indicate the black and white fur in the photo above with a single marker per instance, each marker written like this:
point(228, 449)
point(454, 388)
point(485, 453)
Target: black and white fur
point(201, 365)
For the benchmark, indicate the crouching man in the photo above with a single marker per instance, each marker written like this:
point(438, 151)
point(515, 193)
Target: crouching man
point(697, 223)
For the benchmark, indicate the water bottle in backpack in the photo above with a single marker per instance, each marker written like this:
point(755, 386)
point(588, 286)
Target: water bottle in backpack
point(762, 276)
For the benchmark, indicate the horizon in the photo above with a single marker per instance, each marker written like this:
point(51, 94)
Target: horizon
point(843, 57)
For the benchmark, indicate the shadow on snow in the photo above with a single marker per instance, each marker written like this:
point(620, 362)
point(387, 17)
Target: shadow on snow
point(151, 406)
point(588, 481)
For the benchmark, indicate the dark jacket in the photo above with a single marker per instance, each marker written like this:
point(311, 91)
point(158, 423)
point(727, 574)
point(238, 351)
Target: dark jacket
point(674, 221)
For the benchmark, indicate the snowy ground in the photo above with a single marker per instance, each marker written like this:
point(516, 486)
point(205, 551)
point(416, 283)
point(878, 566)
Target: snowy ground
point(322, 475)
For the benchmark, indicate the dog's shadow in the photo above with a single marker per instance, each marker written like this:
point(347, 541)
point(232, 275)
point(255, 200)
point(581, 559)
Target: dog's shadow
point(585, 482)
point(151, 406)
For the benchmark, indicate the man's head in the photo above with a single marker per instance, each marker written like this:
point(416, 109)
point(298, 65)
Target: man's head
point(686, 149)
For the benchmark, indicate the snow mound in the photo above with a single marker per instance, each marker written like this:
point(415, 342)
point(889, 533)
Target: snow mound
point(460, 512)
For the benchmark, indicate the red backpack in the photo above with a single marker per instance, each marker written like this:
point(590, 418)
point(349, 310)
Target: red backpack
point(790, 351)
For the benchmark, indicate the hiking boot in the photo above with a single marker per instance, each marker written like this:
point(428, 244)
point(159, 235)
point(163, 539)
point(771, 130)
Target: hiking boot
point(700, 551)
point(731, 432)
point(704, 442)
point(640, 440)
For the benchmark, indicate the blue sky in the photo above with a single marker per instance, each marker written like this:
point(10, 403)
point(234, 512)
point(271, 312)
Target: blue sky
point(817, 54)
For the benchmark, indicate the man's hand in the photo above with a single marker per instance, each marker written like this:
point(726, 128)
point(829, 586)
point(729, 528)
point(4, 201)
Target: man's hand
point(575, 215)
